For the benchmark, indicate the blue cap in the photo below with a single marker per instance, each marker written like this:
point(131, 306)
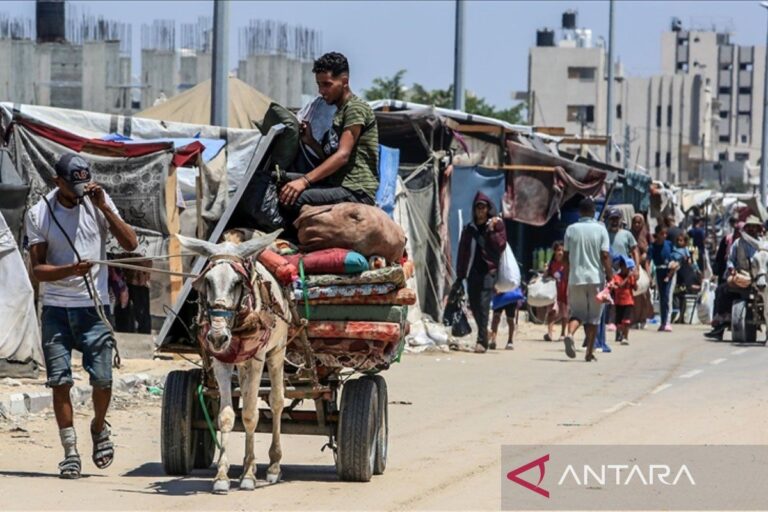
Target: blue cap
point(628, 262)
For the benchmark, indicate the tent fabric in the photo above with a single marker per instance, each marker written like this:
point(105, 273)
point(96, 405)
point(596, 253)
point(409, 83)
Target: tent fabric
point(20, 335)
point(136, 185)
point(425, 245)
point(211, 147)
point(246, 106)
point(465, 183)
point(636, 190)
point(389, 162)
point(534, 197)
point(241, 144)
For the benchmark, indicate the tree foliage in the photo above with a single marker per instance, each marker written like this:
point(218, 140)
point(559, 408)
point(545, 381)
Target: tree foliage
point(393, 88)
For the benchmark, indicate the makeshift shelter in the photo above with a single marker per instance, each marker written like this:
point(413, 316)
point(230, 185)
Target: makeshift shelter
point(138, 162)
point(20, 347)
point(246, 106)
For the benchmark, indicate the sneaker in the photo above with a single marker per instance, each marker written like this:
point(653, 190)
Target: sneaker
point(492, 345)
point(624, 342)
point(570, 351)
point(510, 346)
point(547, 337)
point(667, 328)
point(479, 349)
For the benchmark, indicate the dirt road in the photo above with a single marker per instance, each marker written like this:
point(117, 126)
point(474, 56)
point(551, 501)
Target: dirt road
point(449, 416)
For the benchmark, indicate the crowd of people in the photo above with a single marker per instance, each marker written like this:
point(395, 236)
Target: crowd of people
point(609, 275)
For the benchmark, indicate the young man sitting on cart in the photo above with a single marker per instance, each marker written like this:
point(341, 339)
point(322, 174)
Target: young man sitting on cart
point(350, 149)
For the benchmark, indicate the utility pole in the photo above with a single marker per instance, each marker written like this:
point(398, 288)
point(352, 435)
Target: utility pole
point(458, 58)
point(764, 148)
point(609, 113)
point(219, 73)
point(627, 149)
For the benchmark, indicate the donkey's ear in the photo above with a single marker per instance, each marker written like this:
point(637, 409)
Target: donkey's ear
point(198, 246)
point(256, 246)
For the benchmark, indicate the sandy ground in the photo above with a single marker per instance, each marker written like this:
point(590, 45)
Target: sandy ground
point(449, 416)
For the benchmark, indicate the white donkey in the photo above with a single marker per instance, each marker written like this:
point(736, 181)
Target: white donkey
point(242, 322)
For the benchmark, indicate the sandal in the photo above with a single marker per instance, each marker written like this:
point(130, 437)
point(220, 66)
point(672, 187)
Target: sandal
point(103, 448)
point(70, 467)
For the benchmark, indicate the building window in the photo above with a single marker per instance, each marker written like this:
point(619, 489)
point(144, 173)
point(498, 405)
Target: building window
point(669, 115)
point(618, 111)
point(722, 157)
point(617, 158)
point(741, 157)
point(723, 114)
point(724, 90)
point(581, 73)
point(581, 114)
point(668, 160)
point(725, 138)
point(658, 160)
point(743, 139)
point(658, 117)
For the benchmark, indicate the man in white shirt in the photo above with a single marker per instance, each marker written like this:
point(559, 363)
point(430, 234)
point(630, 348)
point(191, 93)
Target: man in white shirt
point(67, 229)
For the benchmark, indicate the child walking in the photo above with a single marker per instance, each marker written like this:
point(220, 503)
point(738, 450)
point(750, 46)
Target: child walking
point(623, 286)
point(557, 271)
point(661, 255)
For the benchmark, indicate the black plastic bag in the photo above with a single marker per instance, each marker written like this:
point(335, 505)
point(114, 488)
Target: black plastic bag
point(454, 314)
point(260, 207)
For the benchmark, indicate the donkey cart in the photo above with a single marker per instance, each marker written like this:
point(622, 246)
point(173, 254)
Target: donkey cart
point(350, 410)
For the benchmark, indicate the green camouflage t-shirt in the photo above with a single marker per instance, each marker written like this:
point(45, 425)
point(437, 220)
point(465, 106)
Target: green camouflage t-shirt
point(361, 172)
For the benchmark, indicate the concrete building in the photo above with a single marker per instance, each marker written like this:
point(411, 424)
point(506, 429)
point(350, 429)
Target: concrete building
point(734, 72)
point(59, 81)
point(17, 74)
point(670, 124)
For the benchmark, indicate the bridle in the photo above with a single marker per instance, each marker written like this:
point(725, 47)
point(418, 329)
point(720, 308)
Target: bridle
point(242, 268)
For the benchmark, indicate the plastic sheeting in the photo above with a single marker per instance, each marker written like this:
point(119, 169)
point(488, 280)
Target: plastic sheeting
point(465, 183)
point(20, 335)
point(389, 163)
point(241, 145)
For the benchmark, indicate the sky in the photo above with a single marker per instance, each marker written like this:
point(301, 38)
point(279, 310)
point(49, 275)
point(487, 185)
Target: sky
point(381, 37)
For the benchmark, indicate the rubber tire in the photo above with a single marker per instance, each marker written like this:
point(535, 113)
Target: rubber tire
point(358, 419)
point(176, 435)
point(382, 436)
point(742, 328)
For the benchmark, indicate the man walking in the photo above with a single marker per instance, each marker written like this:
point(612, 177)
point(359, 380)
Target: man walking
point(67, 230)
point(588, 259)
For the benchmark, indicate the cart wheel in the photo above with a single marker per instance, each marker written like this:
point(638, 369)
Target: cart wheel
point(382, 436)
point(358, 420)
point(177, 446)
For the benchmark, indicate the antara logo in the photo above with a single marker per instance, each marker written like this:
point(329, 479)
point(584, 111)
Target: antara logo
point(513, 475)
point(606, 474)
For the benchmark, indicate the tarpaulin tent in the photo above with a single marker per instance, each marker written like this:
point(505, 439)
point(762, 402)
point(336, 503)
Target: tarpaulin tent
point(20, 336)
point(140, 175)
point(246, 106)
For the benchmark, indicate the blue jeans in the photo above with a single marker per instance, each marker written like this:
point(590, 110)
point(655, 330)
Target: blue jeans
point(664, 295)
point(81, 329)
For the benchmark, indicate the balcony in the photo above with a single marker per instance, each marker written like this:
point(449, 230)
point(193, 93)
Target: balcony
point(724, 78)
point(746, 54)
point(725, 56)
point(745, 79)
point(745, 103)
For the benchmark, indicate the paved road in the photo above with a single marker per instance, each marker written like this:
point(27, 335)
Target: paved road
point(452, 414)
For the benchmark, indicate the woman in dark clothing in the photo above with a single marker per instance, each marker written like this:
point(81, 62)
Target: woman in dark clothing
point(480, 247)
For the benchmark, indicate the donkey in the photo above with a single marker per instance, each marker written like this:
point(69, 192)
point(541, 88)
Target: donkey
point(243, 322)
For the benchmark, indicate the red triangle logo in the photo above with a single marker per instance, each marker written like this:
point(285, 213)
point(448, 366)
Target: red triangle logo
point(513, 475)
